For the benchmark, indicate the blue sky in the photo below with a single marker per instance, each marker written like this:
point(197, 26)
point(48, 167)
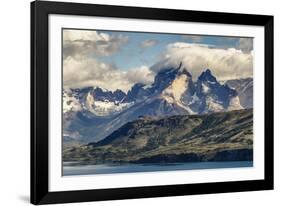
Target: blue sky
point(133, 55)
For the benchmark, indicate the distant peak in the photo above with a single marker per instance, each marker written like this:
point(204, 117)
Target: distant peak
point(170, 70)
point(207, 76)
point(180, 65)
point(101, 89)
point(138, 85)
point(208, 71)
point(118, 91)
point(182, 70)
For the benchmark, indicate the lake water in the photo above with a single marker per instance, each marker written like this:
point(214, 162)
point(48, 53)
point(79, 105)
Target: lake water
point(76, 168)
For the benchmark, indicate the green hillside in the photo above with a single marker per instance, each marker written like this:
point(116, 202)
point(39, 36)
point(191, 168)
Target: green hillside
point(226, 136)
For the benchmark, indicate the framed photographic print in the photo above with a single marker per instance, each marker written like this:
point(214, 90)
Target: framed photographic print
point(131, 102)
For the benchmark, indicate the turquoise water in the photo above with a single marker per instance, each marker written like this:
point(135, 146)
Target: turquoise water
point(76, 168)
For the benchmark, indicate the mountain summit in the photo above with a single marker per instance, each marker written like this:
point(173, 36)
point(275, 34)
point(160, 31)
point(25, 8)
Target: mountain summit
point(213, 96)
point(207, 76)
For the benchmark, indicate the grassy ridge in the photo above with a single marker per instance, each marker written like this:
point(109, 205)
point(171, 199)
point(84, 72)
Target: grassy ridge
point(226, 136)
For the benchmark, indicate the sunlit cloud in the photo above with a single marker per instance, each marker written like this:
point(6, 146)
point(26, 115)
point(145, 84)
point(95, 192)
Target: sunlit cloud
point(148, 43)
point(245, 44)
point(228, 63)
point(81, 43)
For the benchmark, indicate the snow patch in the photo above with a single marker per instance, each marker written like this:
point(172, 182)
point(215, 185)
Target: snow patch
point(213, 106)
point(89, 102)
point(194, 99)
point(102, 89)
point(234, 104)
point(104, 108)
point(211, 82)
point(205, 88)
point(147, 86)
point(70, 103)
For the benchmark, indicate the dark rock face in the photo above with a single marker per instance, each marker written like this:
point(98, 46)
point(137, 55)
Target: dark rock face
point(207, 76)
point(170, 158)
point(138, 93)
point(119, 95)
point(101, 95)
point(226, 155)
point(164, 78)
point(233, 155)
point(208, 87)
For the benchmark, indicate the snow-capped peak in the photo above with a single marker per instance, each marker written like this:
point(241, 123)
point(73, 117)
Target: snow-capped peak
point(174, 85)
point(104, 107)
point(100, 88)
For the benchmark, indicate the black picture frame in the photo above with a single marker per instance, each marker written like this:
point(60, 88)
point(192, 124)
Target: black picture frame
point(40, 106)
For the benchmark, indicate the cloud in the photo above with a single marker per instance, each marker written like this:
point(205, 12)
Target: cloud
point(192, 38)
point(245, 44)
point(148, 43)
point(225, 64)
point(142, 74)
point(81, 68)
point(82, 49)
point(81, 43)
point(90, 72)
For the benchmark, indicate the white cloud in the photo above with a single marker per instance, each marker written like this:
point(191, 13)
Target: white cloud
point(80, 43)
point(141, 75)
point(148, 43)
point(82, 69)
point(245, 44)
point(192, 38)
point(76, 35)
point(225, 64)
point(89, 72)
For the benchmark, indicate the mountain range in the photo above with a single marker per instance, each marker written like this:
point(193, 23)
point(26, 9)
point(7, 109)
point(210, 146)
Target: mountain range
point(91, 114)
